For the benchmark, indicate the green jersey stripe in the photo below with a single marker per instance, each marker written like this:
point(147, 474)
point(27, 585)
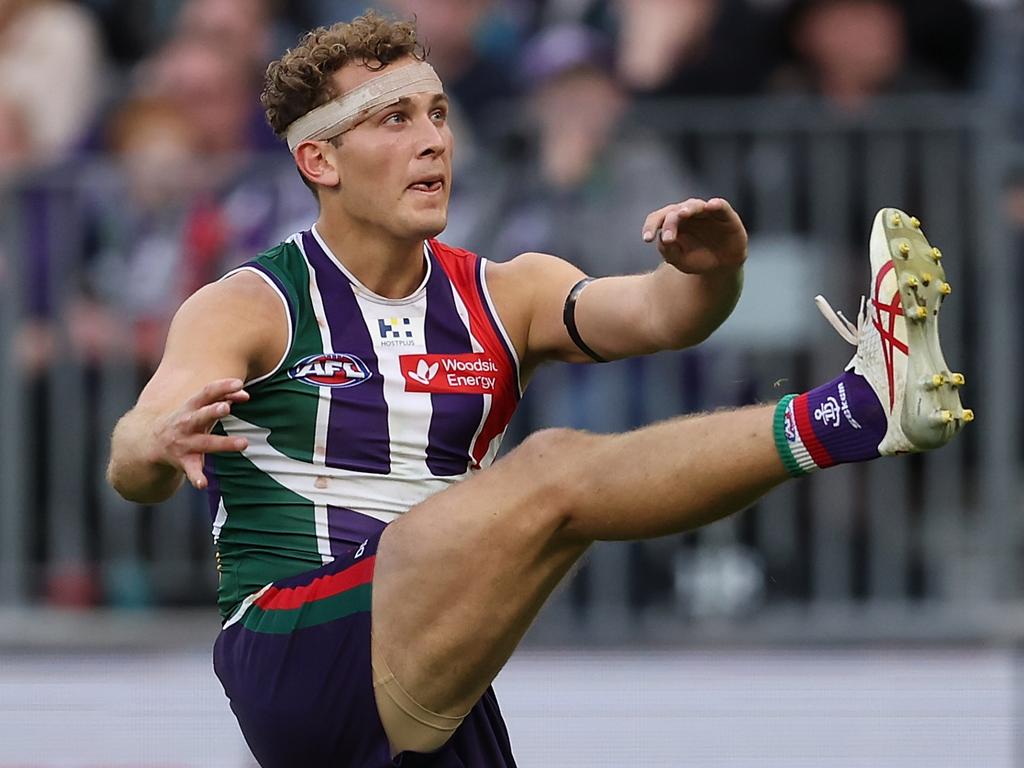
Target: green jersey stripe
point(346, 603)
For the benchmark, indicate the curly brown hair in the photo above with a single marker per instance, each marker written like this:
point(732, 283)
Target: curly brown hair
point(301, 79)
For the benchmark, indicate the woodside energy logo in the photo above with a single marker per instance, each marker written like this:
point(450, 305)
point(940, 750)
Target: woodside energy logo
point(468, 374)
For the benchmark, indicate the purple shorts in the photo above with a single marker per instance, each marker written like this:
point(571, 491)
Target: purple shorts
point(296, 669)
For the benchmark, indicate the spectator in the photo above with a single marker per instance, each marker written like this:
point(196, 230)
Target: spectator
point(243, 200)
point(538, 14)
point(944, 36)
point(307, 14)
point(15, 141)
point(132, 29)
point(849, 51)
point(592, 180)
point(216, 90)
point(172, 229)
point(246, 26)
point(672, 48)
point(51, 67)
point(471, 48)
point(138, 272)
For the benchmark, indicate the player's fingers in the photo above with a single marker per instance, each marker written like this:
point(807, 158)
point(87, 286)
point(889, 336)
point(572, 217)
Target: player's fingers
point(192, 465)
point(654, 222)
point(720, 209)
point(693, 207)
point(203, 419)
point(689, 210)
point(212, 392)
point(238, 396)
point(217, 444)
point(670, 226)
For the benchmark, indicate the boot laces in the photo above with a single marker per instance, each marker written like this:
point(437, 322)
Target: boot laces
point(846, 329)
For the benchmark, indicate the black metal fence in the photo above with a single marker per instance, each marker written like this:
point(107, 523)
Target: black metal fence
point(901, 546)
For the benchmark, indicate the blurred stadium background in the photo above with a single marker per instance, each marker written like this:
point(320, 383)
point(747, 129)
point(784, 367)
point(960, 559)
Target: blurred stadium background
point(871, 616)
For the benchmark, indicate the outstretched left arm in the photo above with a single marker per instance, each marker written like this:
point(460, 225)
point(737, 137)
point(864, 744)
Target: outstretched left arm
point(704, 246)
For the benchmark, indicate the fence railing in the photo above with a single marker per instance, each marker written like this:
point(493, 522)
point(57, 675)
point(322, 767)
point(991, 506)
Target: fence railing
point(864, 549)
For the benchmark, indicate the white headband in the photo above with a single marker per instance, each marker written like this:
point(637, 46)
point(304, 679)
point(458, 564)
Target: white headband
point(344, 112)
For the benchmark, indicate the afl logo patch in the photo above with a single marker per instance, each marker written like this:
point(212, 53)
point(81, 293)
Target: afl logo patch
point(330, 370)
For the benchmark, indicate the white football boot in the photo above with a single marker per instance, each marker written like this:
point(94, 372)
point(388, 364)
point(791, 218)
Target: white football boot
point(897, 338)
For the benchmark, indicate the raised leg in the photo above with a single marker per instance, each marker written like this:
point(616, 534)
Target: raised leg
point(461, 576)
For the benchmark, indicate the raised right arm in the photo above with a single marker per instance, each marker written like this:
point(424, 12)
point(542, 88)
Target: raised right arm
point(226, 333)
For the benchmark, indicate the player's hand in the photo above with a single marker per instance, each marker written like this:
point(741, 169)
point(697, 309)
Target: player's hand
point(698, 236)
point(183, 438)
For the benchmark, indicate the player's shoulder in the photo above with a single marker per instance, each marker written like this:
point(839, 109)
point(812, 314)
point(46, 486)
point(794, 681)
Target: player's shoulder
point(515, 279)
point(252, 292)
point(239, 315)
point(285, 262)
point(452, 253)
point(524, 262)
point(529, 267)
point(269, 279)
point(522, 284)
point(242, 294)
point(281, 254)
point(460, 266)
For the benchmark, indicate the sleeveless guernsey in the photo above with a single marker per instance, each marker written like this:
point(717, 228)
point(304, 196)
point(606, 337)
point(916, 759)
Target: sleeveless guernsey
point(376, 405)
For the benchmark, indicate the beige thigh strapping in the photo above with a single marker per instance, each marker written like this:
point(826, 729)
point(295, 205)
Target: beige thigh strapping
point(409, 726)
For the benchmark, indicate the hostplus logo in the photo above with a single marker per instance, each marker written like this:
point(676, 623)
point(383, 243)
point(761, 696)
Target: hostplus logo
point(395, 332)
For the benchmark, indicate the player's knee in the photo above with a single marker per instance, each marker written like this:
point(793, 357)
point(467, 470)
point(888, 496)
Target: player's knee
point(547, 449)
point(544, 455)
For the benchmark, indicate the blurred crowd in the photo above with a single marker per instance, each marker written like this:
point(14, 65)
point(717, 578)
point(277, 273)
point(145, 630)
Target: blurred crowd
point(168, 90)
point(89, 76)
point(135, 163)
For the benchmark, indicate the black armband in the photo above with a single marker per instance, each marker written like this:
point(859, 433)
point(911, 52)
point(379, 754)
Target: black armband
point(569, 318)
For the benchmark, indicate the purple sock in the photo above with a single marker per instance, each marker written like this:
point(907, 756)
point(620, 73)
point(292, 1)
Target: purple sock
point(836, 423)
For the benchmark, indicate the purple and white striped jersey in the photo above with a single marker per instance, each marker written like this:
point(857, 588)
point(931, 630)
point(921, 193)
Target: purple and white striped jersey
point(376, 404)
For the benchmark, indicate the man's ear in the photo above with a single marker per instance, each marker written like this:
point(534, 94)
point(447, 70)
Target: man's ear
point(317, 164)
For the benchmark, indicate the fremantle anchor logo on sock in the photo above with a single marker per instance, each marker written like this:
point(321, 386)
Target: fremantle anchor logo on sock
point(828, 412)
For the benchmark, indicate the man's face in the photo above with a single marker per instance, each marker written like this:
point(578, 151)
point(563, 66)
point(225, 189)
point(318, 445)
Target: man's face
point(856, 41)
point(584, 102)
point(396, 165)
point(211, 86)
point(449, 25)
point(241, 25)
